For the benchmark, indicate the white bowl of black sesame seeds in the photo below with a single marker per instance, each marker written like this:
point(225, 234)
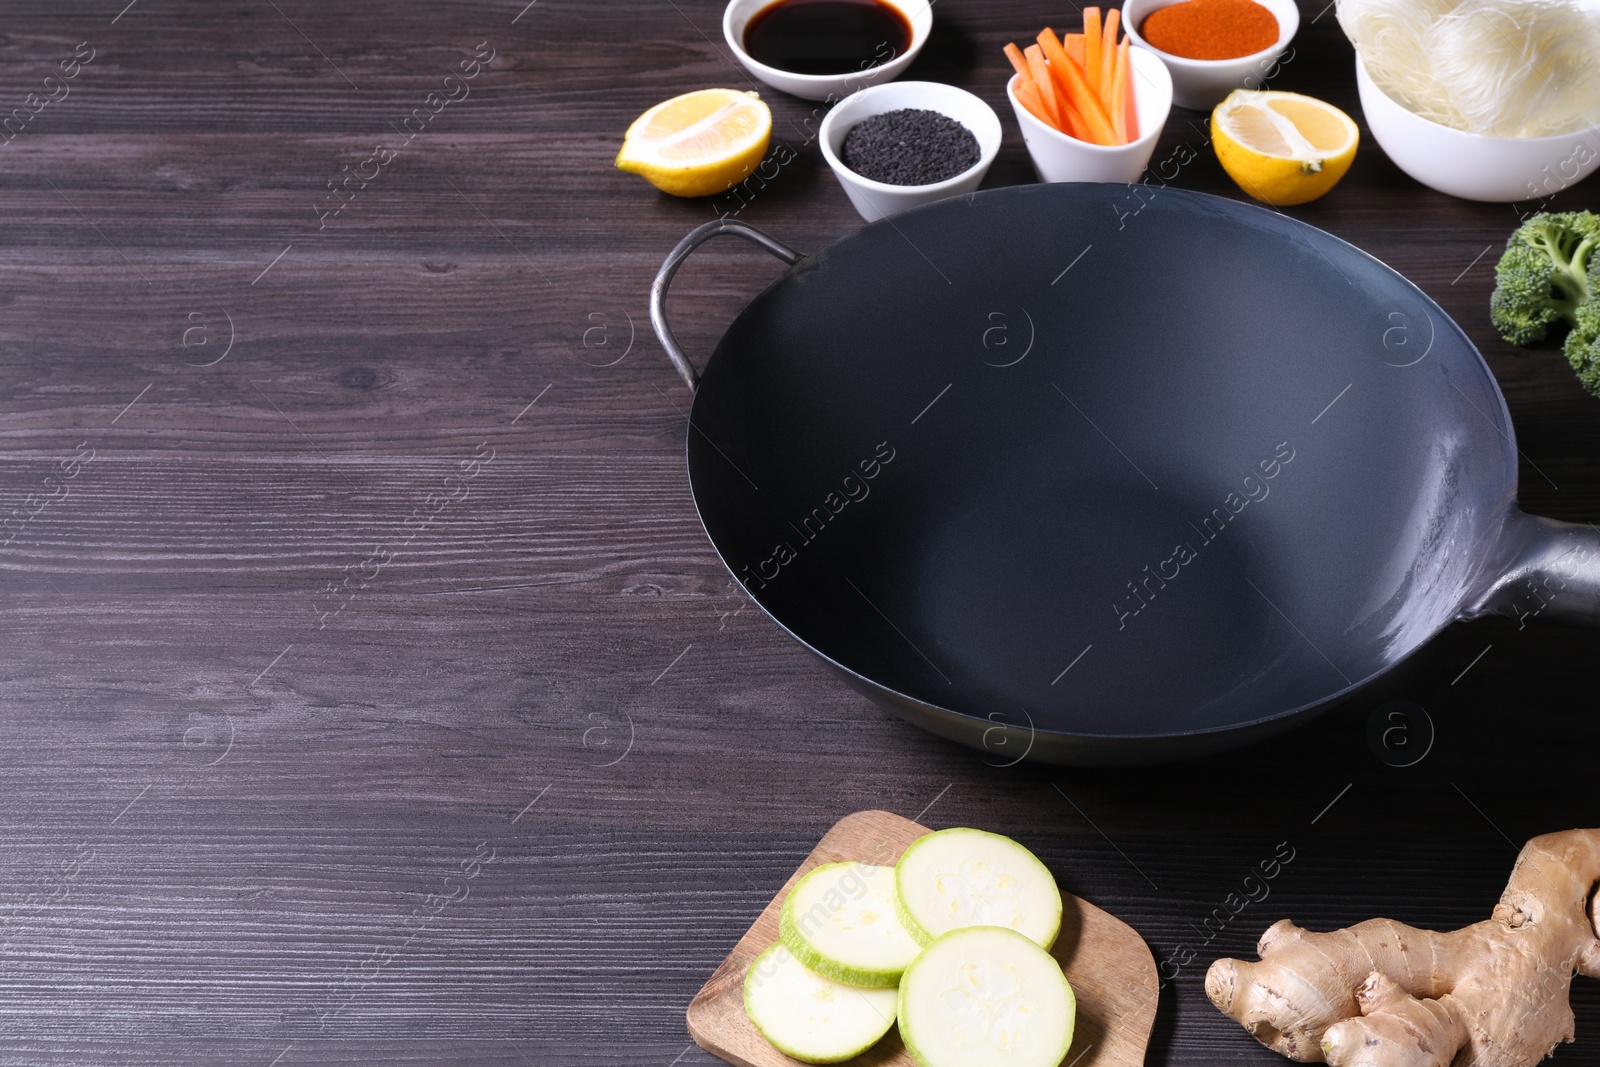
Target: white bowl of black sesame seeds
point(898, 146)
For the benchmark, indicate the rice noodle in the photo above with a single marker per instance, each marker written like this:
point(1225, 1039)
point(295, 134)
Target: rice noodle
point(1506, 68)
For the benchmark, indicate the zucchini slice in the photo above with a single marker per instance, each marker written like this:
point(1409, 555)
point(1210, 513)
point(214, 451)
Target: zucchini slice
point(985, 996)
point(810, 1017)
point(842, 921)
point(955, 878)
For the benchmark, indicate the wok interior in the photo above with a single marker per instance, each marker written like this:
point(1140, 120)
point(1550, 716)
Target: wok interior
point(1220, 467)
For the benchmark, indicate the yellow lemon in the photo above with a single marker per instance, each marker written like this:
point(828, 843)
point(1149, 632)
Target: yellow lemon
point(1282, 148)
point(699, 143)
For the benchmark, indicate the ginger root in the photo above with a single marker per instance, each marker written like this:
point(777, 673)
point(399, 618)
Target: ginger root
point(1380, 994)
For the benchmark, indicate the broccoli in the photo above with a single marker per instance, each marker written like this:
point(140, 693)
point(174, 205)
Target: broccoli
point(1583, 343)
point(1550, 276)
point(1544, 276)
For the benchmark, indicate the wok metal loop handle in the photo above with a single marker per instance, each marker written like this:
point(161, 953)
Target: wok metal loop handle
point(658, 289)
point(1552, 571)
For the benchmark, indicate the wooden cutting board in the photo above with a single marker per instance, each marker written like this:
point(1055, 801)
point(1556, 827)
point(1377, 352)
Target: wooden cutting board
point(1109, 966)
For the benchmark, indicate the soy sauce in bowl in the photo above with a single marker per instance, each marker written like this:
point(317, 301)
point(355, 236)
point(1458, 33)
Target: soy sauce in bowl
point(826, 36)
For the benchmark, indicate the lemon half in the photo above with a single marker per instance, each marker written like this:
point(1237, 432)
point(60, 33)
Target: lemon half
point(1282, 148)
point(699, 143)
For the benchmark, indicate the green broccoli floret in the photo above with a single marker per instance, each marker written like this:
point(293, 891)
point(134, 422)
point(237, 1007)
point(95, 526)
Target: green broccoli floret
point(1583, 343)
point(1544, 278)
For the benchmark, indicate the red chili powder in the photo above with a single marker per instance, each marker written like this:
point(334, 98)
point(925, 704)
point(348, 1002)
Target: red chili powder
point(1211, 29)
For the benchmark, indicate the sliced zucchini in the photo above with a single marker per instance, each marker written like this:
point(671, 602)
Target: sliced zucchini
point(810, 1017)
point(842, 921)
point(956, 878)
point(985, 996)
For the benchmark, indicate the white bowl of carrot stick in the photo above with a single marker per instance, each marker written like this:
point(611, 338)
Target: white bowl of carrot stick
point(1090, 106)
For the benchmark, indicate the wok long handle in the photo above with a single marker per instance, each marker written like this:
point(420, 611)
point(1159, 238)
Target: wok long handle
point(1551, 570)
point(658, 289)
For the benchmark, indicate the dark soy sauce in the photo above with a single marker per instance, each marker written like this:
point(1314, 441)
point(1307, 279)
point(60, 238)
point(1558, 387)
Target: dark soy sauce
point(826, 36)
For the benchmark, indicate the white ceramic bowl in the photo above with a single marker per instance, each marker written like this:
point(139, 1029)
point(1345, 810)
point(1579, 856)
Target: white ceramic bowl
point(1201, 84)
point(1058, 157)
point(828, 87)
point(1470, 165)
point(876, 200)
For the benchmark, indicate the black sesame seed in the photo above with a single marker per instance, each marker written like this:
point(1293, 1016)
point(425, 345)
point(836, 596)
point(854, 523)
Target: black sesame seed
point(912, 146)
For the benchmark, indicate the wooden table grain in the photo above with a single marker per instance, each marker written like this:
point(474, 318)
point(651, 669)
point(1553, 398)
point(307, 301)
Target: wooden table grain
point(369, 690)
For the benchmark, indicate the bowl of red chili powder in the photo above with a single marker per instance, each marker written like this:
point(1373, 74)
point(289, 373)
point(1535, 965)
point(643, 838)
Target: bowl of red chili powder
point(1213, 47)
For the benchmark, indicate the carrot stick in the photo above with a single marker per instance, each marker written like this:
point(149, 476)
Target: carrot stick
point(1070, 80)
point(1071, 123)
point(1091, 48)
point(1029, 97)
point(1028, 94)
point(1018, 63)
point(1073, 42)
point(1047, 92)
point(1129, 106)
point(1066, 115)
point(1074, 124)
point(1116, 98)
point(1108, 57)
point(1076, 127)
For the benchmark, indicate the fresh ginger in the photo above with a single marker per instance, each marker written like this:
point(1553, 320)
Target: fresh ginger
point(1380, 994)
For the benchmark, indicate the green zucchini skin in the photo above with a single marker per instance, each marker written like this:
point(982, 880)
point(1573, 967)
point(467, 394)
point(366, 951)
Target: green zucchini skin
point(909, 921)
point(779, 1015)
point(802, 932)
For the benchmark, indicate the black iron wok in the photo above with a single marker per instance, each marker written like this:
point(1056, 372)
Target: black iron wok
point(1109, 474)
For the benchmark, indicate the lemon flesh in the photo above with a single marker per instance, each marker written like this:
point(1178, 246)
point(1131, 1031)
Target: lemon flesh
point(698, 144)
point(1282, 148)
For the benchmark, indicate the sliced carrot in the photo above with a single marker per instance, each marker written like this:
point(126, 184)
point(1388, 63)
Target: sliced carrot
point(1029, 97)
point(1116, 97)
point(1072, 122)
point(1070, 80)
point(1074, 46)
point(1076, 127)
point(1068, 120)
point(1047, 93)
point(1028, 94)
point(1129, 104)
point(1108, 58)
point(1018, 63)
point(1091, 48)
